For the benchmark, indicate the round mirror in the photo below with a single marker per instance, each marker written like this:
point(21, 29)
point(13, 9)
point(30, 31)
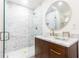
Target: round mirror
point(58, 15)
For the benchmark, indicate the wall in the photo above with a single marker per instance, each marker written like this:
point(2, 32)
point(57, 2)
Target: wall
point(18, 24)
point(1, 26)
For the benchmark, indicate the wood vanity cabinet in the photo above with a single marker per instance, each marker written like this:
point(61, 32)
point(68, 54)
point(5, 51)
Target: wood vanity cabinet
point(45, 49)
point(41, 49)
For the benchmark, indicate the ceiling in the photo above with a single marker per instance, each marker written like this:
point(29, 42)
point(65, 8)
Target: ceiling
point(33, 4)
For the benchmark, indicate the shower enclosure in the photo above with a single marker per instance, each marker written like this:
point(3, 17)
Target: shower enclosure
point(18, 20)
point(20, 28)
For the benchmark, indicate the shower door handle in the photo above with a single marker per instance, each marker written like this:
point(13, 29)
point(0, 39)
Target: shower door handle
point(4, 36)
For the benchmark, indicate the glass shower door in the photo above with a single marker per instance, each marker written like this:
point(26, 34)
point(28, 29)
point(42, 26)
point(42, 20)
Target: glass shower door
point(18, 37)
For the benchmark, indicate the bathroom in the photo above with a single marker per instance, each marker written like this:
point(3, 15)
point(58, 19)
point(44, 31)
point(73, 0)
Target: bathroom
point(27, 28)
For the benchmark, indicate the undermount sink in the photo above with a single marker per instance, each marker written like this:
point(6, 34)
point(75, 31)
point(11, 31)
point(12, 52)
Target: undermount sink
point(58, 37)
point(61, 37)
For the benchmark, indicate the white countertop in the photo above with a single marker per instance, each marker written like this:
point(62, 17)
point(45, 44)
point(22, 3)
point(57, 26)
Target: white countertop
point(66, 43)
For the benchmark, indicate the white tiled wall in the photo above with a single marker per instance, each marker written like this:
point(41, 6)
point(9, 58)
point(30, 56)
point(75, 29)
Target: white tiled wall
point(18, 24)
point(37, 24)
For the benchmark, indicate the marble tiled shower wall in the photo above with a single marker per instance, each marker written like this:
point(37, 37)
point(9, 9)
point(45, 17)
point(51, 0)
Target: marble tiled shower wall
point(19, 25)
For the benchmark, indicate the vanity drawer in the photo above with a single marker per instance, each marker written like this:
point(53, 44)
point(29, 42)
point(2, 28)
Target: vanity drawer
point(56, 51)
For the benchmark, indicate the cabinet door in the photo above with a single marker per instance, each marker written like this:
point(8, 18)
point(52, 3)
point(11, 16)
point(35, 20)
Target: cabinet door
point(41, 50)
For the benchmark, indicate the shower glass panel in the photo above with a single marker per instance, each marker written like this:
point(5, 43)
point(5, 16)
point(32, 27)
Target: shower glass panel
point(1, 28)
point(18, 31)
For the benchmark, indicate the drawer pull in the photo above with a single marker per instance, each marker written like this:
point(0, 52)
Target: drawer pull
point(55, 52)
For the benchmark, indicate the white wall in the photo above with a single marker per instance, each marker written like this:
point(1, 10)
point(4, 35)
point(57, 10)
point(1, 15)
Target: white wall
point(1, 26)
point(18, 24)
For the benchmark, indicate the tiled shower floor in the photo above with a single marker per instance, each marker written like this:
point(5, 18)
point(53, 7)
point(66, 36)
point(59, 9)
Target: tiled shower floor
point(27, 52)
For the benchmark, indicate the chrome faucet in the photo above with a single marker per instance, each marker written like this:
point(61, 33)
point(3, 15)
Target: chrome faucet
point(52, 33)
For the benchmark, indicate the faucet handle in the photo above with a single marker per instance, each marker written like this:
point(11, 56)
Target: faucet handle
point(66, 34)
